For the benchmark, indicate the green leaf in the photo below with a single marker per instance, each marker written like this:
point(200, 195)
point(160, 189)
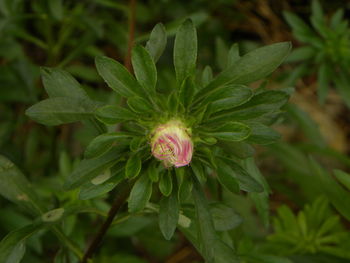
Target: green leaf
point(262, 258)
point(255, 65)
point(336, 19)
point(261, 200)
point(140, 194)
point(262, 134)
point(61, 110)
point(137, 143)
point(233, 55)
point(153, 172)
point(210, 246)
point(168, 215)
point(12, 247)
point(112, 114)
point(103, 143)
point(139, 105)
point(59, 83)
point(299, 27)
point(297, 73)
point(241, 150)
point(90, 168)
point(246, 181)
point(173, 102)
point(185, 185)
point(157, 41)
point(336, 194)
point(221, 53)
point(56, 9)
point(145, 69)
point(117, 77)
point(187, 91)
point(207, 76)
point(15, 187)
point(206, 232)
point(317, 18)
point(343, 178)
point(226, 98)
point(258, 105)
point(307, 124)
point(224, 217)
point(342, 82)
point(232, 131)
point(185, 51)
point(133, 166)
point(324, 76)
point(198, 171)
point(301, 54)
point(166, 183)
point(99, 186)
point(226, 177)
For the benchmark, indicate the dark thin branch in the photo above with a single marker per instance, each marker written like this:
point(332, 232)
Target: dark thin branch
point(117, 204)
point(123, 195)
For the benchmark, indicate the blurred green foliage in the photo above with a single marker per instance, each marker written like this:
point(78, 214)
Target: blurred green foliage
point(326, 50)
point(308, 187)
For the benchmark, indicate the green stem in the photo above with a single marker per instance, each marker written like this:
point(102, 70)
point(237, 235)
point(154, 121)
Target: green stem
point(68, 242)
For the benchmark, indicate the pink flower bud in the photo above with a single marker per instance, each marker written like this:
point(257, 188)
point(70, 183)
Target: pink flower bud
point(171, 143)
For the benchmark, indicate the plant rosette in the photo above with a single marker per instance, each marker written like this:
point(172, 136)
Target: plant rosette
point(178, 134)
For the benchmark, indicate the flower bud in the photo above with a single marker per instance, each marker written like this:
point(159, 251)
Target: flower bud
point(171, 143)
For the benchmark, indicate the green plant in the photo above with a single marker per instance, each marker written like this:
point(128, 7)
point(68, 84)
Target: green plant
point(218, 117)
point(313, 230)
point(326, 50)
